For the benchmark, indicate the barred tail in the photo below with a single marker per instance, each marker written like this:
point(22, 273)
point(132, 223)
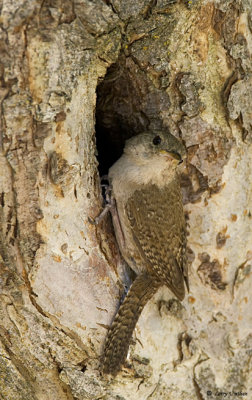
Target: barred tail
point(120, 332)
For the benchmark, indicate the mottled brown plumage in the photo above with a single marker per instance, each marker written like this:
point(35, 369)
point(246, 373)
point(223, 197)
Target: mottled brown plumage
point(150, 229)
point(159, 232)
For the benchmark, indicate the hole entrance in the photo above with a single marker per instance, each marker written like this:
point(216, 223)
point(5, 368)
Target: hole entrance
point(127, 104)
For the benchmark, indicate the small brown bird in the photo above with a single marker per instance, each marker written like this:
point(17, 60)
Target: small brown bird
point(149, 223)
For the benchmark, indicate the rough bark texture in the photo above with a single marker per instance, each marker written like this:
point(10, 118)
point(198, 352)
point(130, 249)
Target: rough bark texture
point(185, 65)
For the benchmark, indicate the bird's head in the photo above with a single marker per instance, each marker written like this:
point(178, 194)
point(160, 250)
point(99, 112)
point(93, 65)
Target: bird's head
point(155, 147)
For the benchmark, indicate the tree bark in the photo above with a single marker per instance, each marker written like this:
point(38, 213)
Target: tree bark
point(78, 77)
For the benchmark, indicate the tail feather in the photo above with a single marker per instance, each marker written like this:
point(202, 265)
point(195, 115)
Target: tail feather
point(120, 332)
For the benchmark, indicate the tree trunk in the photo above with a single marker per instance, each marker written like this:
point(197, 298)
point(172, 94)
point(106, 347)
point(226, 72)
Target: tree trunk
point(77, 79)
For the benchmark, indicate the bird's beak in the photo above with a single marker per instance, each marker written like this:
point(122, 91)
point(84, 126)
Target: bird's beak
point(173, 154)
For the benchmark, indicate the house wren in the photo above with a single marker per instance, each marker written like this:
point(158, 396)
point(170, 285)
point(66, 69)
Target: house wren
point(148, 218)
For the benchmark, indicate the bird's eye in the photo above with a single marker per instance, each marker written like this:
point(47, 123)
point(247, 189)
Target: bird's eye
point(157, 140)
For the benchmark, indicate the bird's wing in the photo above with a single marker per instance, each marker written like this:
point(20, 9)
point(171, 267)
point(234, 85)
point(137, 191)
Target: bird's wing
point(157, 222)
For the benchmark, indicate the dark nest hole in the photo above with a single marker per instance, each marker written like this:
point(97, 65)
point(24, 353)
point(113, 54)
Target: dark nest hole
point(124, 108)
point(117, 117)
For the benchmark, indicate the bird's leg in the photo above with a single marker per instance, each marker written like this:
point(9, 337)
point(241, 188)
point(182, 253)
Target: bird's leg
point(110, 207)
point(101, 216)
